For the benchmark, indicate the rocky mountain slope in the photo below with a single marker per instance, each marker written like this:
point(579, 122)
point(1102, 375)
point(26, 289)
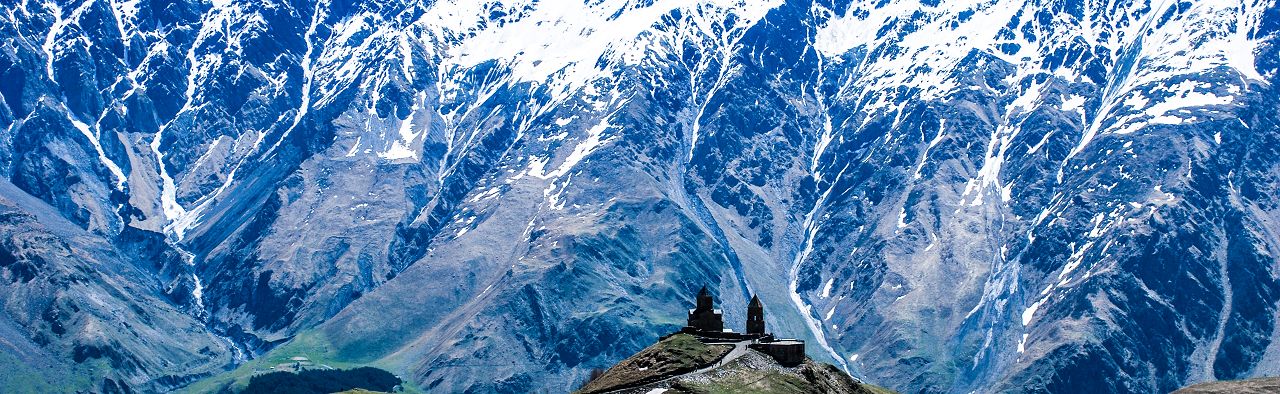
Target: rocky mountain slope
point(947, 196)
point(75, 307)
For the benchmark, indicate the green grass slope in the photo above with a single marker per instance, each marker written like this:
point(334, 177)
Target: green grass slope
point(675, 355)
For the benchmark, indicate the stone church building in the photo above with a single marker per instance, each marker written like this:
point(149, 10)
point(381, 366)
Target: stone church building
point(707, 324)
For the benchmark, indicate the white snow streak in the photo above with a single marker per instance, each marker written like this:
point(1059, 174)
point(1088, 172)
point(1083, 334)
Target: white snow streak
point(307, 75)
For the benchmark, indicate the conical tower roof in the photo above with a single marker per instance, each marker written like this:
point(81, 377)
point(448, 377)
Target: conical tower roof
point(755, 302)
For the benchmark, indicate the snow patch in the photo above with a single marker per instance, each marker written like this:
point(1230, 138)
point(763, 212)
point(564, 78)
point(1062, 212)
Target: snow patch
point(921, 57)
point(561, 43)
point(1073, 103)
point(355, 147)
point(410, 136)
point(1194, 37)
point(1030, 313)
point(93, 138)
point(595, 139)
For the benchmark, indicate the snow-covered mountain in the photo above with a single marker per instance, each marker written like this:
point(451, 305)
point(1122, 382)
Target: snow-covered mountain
point(942, 196)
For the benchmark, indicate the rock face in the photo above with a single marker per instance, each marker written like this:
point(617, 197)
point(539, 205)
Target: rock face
point(74, 307)
point(941, 196)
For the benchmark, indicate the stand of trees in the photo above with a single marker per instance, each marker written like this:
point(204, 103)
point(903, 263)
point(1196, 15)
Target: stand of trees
point(322, 381)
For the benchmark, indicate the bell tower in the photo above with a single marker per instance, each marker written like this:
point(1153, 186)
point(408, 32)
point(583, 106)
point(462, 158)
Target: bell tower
point(755, 317)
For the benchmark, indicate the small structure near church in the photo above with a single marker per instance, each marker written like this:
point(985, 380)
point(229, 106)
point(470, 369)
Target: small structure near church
point(707, 324)
point(788, 352)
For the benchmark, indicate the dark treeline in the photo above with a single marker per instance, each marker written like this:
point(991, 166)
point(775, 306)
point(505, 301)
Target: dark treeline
point(322, 381)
